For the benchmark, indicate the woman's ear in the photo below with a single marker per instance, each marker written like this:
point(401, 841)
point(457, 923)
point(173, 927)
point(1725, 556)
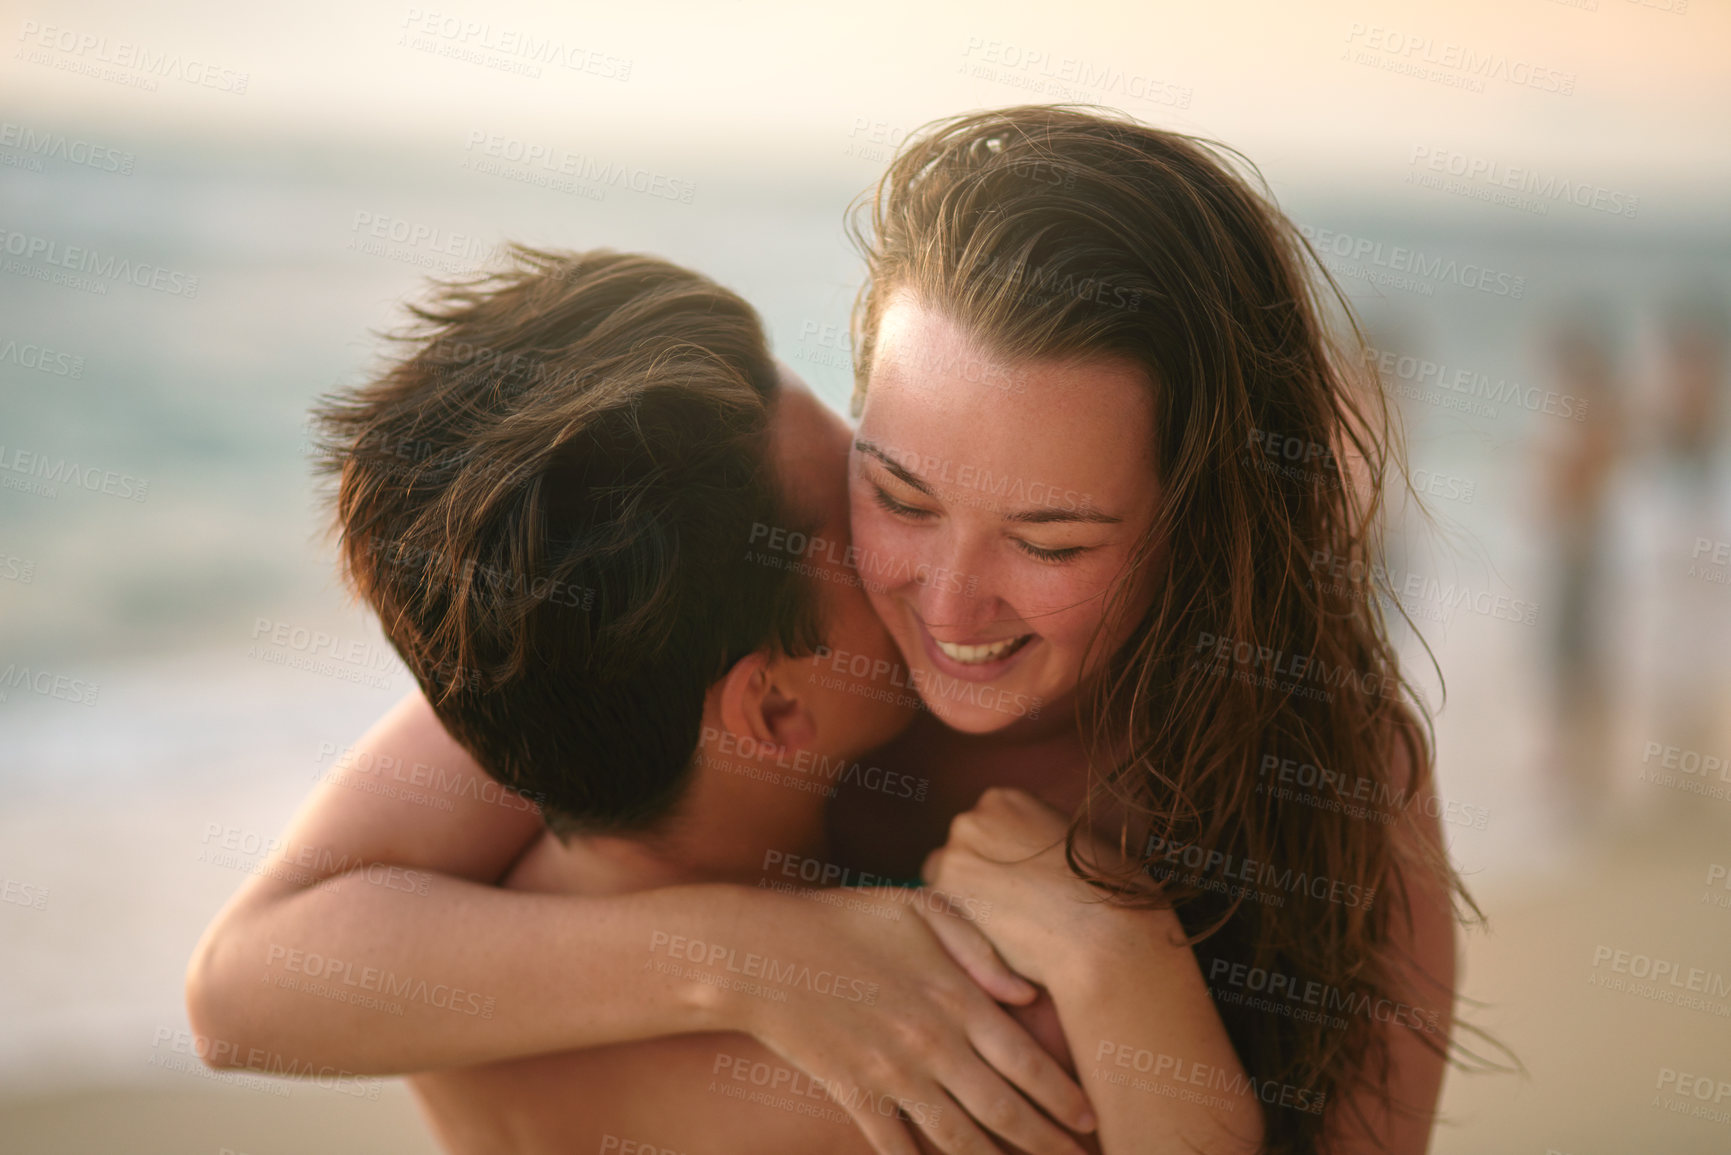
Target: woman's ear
point(756, 700)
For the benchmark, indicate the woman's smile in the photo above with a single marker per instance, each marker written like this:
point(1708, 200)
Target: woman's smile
point(974, 660)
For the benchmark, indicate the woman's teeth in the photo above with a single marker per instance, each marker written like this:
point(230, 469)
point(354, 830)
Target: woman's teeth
point(979, 655)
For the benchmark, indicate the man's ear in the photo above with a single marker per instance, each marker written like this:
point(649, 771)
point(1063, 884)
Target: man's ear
point(756, 700)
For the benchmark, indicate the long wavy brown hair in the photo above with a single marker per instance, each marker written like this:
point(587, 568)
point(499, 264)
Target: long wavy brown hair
point(1061, 232)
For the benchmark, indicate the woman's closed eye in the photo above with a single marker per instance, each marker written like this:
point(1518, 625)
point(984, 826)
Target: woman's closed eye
point(1055, 556)
point(898, 508)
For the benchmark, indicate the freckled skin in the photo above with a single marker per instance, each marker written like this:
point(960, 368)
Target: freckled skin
point(990, 439)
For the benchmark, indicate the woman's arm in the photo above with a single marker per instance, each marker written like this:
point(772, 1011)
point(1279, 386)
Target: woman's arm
point(432, 966)
point(1150, 1048)
point(1428, 942)
point(410, 803)
point(1148, 1044)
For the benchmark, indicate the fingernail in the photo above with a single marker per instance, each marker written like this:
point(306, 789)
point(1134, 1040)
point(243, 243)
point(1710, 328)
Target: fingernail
point(1087, 1122)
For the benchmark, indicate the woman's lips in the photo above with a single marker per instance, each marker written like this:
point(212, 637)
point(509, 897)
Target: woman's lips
point(975, 661)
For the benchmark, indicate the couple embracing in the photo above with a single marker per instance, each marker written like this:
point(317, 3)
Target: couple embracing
point(899, 787)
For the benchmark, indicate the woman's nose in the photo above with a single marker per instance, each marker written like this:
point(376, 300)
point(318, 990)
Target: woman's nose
point(957, 590)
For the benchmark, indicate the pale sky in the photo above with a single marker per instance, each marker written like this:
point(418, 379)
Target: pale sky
point(1309, 90)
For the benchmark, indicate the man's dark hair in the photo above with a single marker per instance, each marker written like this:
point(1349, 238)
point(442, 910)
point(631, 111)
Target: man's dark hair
point(547, 500)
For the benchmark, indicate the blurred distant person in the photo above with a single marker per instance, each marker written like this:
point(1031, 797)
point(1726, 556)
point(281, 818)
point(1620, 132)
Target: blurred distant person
point(1691, 684)
point(1696, 337)
point(1577, 489)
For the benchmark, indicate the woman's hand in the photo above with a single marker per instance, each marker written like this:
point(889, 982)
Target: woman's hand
point(1118, 976)
point(900, 1025)
point(1006, 858)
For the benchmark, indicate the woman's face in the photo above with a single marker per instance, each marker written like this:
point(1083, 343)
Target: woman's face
point(994, 507)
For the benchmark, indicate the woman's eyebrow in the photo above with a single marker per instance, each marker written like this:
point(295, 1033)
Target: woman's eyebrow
point(890, 464)
point(1051, 516)
point(1041, 516)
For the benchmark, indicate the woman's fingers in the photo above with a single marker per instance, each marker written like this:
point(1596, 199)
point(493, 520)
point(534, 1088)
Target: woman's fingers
point(1013, 1053)
point(887, 1135)
point(976, 955)
point(998, 1107)
point(945, 1124)
point(937, 1051)
point(948, 1128)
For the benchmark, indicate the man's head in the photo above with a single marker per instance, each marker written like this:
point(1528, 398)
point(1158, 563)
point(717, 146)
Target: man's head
point(551, 502)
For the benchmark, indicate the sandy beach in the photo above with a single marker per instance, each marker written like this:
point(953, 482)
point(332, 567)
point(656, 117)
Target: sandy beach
point(1595, 1056)
point(219, 1119)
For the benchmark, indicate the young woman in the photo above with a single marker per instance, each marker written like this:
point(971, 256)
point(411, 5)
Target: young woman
point(1115, 494)
point(1096, 383)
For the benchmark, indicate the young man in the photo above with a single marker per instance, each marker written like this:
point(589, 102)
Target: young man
point(574, 506)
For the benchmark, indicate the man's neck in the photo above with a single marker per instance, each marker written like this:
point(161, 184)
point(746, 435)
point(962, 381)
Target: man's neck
point(744, 806)
point(744, 801)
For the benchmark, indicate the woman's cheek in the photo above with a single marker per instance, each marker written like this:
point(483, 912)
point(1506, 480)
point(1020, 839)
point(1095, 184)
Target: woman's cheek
point(883, 546)
point(879, 550)
point(862, 525)
point(1065, 593)
point(868, 522)
point(869, 553)
point(1066, 605)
